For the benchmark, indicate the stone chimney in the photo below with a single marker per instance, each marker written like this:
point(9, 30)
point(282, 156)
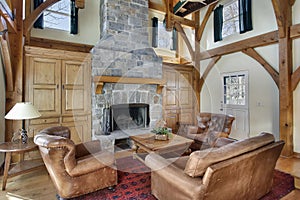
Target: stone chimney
point(123, 50)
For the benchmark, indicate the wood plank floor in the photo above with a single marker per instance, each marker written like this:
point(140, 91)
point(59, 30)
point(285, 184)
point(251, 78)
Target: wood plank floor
point(37, 184)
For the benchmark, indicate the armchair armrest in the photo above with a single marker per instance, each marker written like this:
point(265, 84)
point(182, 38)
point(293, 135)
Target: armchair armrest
point(92, 163)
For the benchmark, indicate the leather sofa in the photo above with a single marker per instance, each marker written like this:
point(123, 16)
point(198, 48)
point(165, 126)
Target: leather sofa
point(75, 169)
point(210, 126)
point(239, 170)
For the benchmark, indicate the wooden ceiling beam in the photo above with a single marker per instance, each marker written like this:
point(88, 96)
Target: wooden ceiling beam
point(256, 41)
point(295, 78)
point(211, 64)
point(183, 21)
point(255, 55)
point(280, 14)
point(156, 6)
point(29, 21)
point(295, 31)
point(204, 21)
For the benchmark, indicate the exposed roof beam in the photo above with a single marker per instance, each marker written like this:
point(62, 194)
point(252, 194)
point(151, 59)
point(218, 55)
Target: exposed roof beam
point(257, 41)
point(156, 6)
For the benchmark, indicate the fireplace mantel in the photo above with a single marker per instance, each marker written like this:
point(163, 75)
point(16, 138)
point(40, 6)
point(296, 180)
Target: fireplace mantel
point(100, 80)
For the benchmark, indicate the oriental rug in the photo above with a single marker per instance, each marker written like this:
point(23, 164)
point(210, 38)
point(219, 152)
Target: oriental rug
point(134, 183)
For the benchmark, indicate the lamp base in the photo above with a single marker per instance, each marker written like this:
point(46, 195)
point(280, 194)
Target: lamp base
point(24, 136)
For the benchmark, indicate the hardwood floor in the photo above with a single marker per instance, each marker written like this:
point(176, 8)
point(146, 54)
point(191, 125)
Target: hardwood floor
point(37, 184)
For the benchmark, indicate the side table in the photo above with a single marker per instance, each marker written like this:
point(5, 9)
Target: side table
point(23, 166)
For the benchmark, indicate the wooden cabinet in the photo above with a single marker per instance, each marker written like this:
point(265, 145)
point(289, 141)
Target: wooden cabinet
point(179, 101)
point(58, 83)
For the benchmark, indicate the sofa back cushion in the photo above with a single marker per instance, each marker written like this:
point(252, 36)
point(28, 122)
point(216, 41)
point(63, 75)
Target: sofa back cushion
point(200, 160)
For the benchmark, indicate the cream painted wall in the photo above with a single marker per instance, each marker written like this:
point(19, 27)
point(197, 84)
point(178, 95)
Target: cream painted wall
point(261, 87)
point(89, 27)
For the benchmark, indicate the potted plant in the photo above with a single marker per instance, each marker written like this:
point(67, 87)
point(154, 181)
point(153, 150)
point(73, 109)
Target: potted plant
point(161, 131)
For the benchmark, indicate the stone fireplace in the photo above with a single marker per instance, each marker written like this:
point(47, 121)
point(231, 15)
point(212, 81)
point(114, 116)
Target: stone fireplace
point(123, 51)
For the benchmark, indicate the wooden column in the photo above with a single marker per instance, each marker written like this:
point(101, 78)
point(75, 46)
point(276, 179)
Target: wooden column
point(16, 51)
point(197, 62)
point(283, 12)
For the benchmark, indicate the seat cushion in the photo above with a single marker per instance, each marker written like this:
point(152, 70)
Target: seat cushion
point(199, 160)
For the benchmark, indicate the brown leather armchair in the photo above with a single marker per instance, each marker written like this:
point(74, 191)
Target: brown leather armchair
point(210, 127)
point(239, 170)
point(75, 169)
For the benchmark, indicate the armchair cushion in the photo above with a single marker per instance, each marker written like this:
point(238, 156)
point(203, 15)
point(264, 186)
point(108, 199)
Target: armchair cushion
point(200, 160)
point(92, 163)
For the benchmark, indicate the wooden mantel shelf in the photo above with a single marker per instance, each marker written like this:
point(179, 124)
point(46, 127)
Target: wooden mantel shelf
point(100, 80)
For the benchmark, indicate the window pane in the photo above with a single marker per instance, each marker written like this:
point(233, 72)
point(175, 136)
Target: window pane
point(164, 37)
point(58, 16)
point(230, 19)
point(235, 90)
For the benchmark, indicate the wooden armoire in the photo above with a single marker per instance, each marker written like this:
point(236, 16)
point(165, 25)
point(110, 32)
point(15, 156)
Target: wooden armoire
point(179, 95)
point(58, 83)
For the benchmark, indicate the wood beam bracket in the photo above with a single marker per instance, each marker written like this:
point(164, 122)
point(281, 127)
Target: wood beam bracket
point(295, 78)
point(185, 39)
point(255, 55)
point(204, 21)
point(211, 64)
point(9, 21)
point(29, 21)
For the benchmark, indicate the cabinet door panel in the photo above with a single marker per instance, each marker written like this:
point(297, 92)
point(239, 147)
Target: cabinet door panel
point(44, 85)
point(76, 87)
point(178, 95)
point(171, 119)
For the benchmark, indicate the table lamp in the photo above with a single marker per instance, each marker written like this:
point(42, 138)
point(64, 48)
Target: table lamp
point(22, 111)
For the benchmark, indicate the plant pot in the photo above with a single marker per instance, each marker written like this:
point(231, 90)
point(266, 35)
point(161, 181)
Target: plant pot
point(161, 137)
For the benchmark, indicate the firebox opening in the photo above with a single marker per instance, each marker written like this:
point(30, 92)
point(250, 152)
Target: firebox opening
point(130, 116)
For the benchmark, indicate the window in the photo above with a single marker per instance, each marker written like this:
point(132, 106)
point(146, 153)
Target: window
point(58, 16)
point(162, 38)
point(165, 38)
point(230, 19)
point(235, 88)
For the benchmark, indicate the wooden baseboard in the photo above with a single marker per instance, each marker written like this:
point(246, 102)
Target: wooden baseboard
point(296, 155)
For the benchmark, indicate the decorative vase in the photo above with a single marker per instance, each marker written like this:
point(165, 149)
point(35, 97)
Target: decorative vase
point(161, 137)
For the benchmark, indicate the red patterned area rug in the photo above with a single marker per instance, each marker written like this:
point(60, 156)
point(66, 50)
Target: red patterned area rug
point(134, 183)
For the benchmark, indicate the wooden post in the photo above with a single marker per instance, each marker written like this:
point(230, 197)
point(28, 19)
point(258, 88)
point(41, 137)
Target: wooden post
point(197, 63)
point(16, 51)
point(283, 12)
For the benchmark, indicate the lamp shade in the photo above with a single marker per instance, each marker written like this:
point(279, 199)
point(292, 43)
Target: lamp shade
point(23, 110)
